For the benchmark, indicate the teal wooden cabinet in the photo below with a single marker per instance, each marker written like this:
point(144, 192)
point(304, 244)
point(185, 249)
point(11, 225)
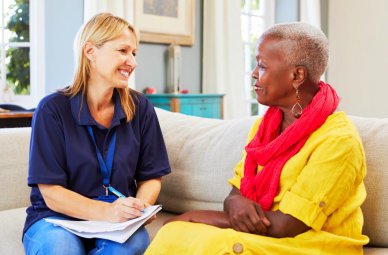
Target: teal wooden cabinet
point(201, 105)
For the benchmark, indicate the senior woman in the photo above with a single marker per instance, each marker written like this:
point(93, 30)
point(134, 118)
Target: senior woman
point(299, 186)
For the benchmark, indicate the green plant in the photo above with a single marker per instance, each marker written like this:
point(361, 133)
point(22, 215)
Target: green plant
point(18, 59)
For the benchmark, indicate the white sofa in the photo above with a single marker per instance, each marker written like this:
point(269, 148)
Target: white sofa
point(202, 154)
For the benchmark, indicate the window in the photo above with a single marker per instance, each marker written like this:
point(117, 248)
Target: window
point(19, 51)
point(256, 16)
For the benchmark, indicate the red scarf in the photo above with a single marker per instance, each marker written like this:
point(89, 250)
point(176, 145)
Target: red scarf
point(272, 151)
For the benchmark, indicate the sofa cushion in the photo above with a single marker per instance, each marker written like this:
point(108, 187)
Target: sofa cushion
point(202, 154)
point(11, 225)
point(374, 135)
point(375, 251)
point(14, 151)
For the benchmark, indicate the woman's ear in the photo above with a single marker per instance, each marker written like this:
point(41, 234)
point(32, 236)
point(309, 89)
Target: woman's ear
point(89, 51)
point(300, 75)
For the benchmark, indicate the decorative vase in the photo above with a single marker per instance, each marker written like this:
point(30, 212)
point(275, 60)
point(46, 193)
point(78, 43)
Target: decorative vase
point(174, 68)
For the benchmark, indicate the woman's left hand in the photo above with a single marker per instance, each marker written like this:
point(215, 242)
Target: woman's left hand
point(245, 215)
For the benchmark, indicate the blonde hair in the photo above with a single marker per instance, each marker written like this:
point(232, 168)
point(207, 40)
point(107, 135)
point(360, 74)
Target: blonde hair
point(98, 30)
point(309, 46)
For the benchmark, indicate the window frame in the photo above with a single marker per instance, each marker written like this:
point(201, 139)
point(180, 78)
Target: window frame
point(37, 58)
point(268, 18)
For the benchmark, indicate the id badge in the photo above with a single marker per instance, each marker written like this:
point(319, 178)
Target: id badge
point(108, 199)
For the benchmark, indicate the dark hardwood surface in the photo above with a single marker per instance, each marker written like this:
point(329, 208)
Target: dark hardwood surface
point(14, 119)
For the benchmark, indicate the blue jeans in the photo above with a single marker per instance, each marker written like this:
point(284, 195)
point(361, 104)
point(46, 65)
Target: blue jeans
point(46, 238)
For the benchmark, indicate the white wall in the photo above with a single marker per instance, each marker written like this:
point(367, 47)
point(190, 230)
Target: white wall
point(358, 66)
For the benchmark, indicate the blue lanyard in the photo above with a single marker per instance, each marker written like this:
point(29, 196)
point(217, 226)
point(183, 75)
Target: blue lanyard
point(105, 165)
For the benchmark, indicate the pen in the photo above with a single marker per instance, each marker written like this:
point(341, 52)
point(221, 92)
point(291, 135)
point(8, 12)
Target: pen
point(117, 193)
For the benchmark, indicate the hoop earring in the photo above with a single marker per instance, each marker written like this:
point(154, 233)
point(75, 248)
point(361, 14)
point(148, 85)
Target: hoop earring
point(297, 108)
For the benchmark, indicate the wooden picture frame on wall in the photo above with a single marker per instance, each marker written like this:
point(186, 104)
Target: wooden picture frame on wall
point(165, 21)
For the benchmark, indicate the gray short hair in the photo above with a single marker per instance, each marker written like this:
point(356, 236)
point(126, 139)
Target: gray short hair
point(310, 48)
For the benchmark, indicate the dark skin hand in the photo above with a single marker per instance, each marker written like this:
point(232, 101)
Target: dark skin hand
point(281, 225)
point(245, 215)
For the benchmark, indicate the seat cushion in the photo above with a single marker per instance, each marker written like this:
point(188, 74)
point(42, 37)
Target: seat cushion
point(14, 151)
point(11, 225)
point(375, 251)
point(374, 135)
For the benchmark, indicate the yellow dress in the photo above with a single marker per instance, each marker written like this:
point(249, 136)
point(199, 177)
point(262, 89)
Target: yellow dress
point(322, 185)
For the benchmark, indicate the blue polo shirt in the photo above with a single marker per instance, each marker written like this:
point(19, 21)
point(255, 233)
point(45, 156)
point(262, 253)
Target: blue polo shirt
point(63, 153)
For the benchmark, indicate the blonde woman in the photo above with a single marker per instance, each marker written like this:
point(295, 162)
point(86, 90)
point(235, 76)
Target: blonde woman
point(95, 135)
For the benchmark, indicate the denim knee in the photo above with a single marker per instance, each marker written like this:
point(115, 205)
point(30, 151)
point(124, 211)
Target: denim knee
point(135, 245)
point(139, 241)
point(46, 238)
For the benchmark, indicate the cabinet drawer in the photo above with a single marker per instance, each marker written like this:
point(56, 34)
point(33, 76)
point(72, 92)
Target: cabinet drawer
point(164, 103)
point(201, 105)
point(212, 100)
point(207, 110)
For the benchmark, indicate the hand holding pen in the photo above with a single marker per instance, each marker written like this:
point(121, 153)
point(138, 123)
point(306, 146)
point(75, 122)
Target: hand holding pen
point(125, 208)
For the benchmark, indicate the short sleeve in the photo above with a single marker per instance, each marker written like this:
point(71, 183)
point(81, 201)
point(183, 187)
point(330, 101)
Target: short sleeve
point(153, 159)
point(47, 162)
point(239, 168)
point(331, 175)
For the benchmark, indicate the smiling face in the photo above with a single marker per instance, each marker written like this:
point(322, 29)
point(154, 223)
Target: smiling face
point(114, 61)
point(274, 76)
